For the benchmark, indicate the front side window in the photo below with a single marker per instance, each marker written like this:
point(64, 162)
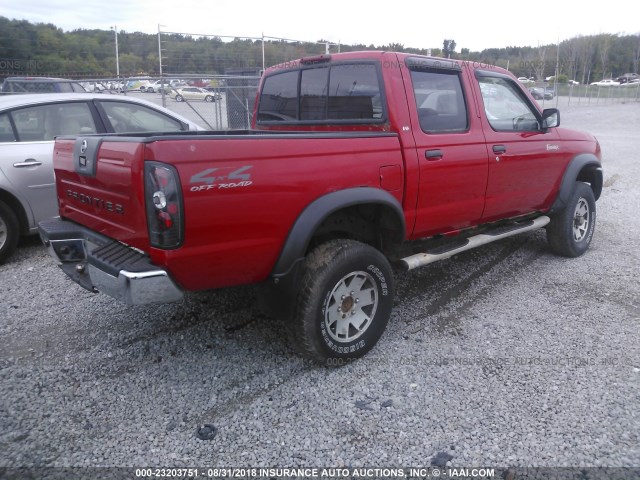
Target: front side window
point(505, 107)
point(132, 118)
point(342, 92)
point(440, 100)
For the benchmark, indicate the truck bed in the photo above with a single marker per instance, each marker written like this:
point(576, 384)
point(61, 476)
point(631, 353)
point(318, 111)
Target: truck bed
point(224, 176)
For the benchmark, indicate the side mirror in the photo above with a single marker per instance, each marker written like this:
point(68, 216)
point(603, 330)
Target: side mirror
point(550, 118)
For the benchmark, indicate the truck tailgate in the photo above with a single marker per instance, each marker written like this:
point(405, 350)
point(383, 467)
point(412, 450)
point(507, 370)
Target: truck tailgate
point(100, 185)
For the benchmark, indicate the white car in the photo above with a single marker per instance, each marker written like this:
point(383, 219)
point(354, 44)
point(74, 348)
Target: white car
point(28, 125)
point(158, 85)
point(194, 93)
point(606, 83)
point(153, 86)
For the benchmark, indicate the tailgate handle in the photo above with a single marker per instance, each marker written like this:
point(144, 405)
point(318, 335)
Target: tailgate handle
point(433, 154)
point(29, 162)
point(499, 149)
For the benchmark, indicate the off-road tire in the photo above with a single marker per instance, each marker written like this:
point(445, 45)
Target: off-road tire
point(570, 231)
point(9, 232)
point(343, 303)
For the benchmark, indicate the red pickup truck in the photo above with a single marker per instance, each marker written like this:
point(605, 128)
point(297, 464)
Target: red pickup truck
point(356, 162)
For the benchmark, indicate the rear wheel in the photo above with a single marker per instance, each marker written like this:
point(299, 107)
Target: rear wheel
point(570, 231)
point(344, 302)
point(9, 232)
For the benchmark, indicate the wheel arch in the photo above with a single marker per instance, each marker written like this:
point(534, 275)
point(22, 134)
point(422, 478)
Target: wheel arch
point(322, 217)
point(585, 167)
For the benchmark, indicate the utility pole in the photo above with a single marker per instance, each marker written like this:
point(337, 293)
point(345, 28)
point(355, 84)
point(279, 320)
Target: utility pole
point(115, 29)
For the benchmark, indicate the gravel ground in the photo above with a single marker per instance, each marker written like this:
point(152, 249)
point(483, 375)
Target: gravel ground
point(502, 356)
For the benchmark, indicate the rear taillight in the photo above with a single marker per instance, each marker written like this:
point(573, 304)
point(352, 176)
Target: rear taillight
point(163, 199)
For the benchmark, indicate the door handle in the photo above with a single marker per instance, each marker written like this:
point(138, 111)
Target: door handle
point(499, 149)
point(29, 162)
point(435, 154)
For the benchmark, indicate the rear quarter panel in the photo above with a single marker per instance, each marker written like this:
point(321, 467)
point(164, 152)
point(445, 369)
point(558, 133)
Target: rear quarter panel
point(242, 196)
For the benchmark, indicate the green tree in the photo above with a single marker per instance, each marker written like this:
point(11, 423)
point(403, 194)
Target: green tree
point(448, 48)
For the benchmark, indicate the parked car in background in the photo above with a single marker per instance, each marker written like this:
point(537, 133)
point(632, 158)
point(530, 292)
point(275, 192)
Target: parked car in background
point(215, 91)
point(525, 80)
point(94, 87)
point(607, 82)
point(627, 77)
point(631, 83)
point(193, 93)
point(202, 83)
point(40, 85)
point(156, 86)
point(573, 82)
point(546, 93)
point(28, 125)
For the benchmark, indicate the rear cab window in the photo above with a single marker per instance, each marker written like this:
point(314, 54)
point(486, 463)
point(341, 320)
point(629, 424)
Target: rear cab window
point(440, 99)
point(329, 93)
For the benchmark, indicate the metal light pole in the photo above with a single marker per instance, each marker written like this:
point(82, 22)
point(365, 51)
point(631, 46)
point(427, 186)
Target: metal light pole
point(115, 29)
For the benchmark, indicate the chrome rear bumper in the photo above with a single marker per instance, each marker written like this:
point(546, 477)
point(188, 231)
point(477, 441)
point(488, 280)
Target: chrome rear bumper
point(101, 264)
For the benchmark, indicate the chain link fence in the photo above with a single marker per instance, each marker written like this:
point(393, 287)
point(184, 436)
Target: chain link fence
point(216, 88)
point(215, 84)
point(216, 102)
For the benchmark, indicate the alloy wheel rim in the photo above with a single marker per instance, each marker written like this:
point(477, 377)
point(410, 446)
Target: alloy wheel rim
point(351, 307)
point(581, 220)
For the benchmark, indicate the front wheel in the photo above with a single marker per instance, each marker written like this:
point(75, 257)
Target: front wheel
point(179, 98)
point(9, 232)
point(570, 231)
point(344, 302)
point(208, 98)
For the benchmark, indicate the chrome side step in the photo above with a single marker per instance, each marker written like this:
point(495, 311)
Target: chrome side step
point(441, 253)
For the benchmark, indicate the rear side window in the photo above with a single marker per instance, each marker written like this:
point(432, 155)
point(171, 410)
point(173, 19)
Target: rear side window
point(342, 93)
point(45, 122)
point(440, 100)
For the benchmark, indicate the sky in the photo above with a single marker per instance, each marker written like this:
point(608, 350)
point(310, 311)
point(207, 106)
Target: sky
point(475, 25)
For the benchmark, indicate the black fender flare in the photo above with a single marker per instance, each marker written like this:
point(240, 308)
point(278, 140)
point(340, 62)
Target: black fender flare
point(584, 162)
point(316, 212)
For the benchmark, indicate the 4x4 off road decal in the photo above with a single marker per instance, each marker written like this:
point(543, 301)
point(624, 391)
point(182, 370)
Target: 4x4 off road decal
point(211, 179)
